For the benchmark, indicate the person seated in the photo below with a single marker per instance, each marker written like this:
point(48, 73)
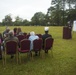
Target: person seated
point(25, 34)
point(5, 33)
point(46, 35)
point(15, 31)
point(10, 37)
point(32, 37)
point(1, 39)
point(19, 32)
point(0, 52)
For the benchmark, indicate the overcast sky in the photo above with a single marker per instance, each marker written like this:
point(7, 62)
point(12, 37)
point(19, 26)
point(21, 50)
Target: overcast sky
point(23, 8)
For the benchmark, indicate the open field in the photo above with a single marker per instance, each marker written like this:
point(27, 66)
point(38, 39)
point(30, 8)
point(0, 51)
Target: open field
point(63, 62)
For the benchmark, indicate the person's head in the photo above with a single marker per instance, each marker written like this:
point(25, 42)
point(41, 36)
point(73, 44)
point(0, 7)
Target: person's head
point(0, 35)
point(46, 30)
point(32, 33)
point(11, 33)
point(7, 29)
point(19, 30)
point(15, 30)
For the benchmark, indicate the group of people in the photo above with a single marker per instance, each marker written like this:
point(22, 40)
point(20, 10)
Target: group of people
point(11, 35)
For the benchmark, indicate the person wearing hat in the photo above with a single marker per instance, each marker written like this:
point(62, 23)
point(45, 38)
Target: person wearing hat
point(46, 35)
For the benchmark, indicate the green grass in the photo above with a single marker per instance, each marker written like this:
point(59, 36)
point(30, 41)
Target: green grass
point(63, 62)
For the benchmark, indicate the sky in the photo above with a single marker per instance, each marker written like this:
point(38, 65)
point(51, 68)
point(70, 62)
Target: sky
point(25, 9)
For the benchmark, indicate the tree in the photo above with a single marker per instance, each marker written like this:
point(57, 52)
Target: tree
point(38, 18)
point(7, 20)
point(25, 22)
point(55, 11)
point(71, 11)
point(18, 21)
point(61, 11)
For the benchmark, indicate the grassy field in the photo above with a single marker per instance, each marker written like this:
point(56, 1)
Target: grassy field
point(63, 62)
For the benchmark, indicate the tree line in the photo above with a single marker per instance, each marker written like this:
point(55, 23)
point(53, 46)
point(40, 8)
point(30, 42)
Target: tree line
point(58, 14)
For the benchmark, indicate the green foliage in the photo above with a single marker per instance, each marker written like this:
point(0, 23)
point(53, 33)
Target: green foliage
point(63, 62)
point(18, 21)
point(58, 11)
point(25, 23)
point(58, 14)
point(7, 20)
point(38, 18)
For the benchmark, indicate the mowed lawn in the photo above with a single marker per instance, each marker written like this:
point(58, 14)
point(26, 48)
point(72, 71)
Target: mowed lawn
point(63, 61)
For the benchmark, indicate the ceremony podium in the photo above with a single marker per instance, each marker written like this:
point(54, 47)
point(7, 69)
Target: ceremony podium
point(67, 32)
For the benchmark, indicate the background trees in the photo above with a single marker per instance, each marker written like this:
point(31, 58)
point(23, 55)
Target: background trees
point(62, 11)
point(18, 21)
point(7, 20)
point(58, 14)
point(38, 19)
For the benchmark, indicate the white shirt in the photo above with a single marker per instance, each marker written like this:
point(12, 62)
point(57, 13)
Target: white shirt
point(32, 38)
